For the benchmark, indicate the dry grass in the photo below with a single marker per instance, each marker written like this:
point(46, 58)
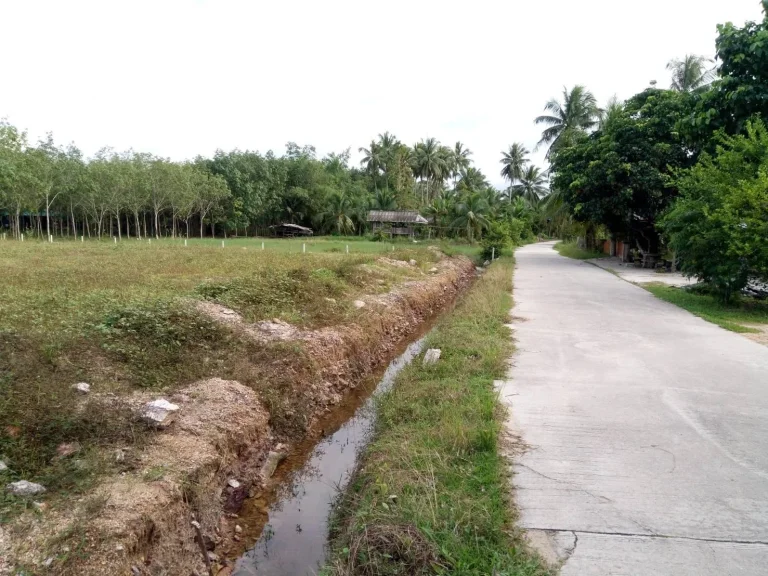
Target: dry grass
point(118, 317)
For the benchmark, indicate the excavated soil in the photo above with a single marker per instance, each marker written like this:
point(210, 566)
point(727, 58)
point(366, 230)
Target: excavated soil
point(209, 460)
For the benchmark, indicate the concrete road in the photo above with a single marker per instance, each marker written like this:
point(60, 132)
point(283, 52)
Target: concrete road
point(647, 428)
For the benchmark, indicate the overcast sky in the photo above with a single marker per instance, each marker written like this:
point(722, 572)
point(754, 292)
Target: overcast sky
point(179, 78)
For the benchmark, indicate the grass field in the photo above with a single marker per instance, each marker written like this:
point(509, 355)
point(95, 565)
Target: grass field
point(117, 316)
point(432, 493)
point(731, 316)
point(571, 250)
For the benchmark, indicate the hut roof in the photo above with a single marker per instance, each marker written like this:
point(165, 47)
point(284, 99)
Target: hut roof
point(396, 216)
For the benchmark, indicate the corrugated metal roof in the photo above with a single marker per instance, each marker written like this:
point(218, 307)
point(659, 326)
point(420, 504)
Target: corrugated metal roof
point(396, 216)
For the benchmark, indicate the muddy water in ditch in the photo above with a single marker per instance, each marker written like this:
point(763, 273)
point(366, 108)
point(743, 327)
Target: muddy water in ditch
point(292, 525)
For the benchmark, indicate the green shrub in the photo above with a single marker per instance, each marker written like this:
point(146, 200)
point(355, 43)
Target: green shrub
point(496, 239)
point(718, 226)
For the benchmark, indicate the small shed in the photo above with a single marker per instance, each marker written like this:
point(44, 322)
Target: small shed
point(290, 230)
point(396, 222)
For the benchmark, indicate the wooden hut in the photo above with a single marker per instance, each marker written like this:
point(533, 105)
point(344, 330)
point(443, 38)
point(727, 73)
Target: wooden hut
point(396, 222)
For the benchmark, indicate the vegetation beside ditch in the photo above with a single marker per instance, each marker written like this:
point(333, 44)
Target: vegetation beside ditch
point(117, 316)
point(732, 315)
point(432, 493)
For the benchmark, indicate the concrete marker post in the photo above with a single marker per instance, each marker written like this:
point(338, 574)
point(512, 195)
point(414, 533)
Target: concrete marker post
point(493, 253)
point(115, 239)
point(262, 245)
point(185, 242)
point(347, 248)
point(22, 237)
point(222, 243)
point(303, 248)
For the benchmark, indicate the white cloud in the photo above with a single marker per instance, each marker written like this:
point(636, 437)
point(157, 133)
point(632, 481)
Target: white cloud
point(180, 78)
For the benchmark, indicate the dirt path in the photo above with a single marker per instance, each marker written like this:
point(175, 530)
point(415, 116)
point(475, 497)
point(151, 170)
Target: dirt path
point(647, 428)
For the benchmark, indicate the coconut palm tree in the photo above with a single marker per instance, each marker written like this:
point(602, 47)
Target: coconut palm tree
point(471, 214)
point(461, 160)
point(372, 160)
point(338, 213)
point(384, 200)
point(611, 112)
point(439, 210)
point(690, 74)
point(514, 161)
point(429, 162)
point(532, 187)
point(471, 180)
point(576, 114)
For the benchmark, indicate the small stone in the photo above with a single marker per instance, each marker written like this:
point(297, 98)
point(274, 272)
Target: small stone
point(159, 412)
point(487, 263)
point(82, 387)
point(331, 300)
point(120, 455)
point(3, 466)
point(270, 465)
point(433, 270)
point(119, 548)
point(66, 449)
point(238, 529)
point(24, 488)
point(412, 262)
point(48, 561)
point(136, 571)
point(213, 557)
point(40, 506)
point(432, 356)
point(359, 304)
point(479, 270)
point(232, 483)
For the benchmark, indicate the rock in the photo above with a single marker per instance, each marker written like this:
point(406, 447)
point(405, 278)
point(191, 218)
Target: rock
point(232, 483)
point(119, 548)
point(159, 412)
point(270, 464)
point(66, 449)
point(487, 263)
point(40, 506)
point(120, 454)
point(479, 270)
point(432, 356)
point(238, 529)
point(359, 304)
point(331, 300)
point(433, 270)
point(82, 387)
point(24, 488)
point(3, 466)
point(213, 557)
point(135, 571)
point(48, 561)
point(412, 262)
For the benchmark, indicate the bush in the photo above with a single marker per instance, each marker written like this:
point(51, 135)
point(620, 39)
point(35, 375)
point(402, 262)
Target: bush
point(495, 240)
point(719, 224)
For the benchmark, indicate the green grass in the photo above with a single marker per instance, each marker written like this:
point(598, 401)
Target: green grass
point(118, 317)
point(571, 250)
point(729, 316)
point(432, 493)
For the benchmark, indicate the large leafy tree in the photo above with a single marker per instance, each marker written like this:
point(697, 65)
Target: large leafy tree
point(622, 176)
point(691, 73)
point(741, 90)
point(568, 119)
point(719, 225)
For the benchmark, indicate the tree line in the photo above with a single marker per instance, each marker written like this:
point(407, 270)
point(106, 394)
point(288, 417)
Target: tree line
point(47, 189)
point(678, 172)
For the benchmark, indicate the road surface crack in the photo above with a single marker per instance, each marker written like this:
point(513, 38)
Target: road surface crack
point(652, 535)
point(576, 487)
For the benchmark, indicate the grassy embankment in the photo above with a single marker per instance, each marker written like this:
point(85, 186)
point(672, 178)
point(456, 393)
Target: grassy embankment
point(571, 250)
point(432, 493)
point(730, 316)
point(117, 316)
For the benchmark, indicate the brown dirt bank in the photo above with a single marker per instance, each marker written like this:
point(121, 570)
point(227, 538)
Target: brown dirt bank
point(208, 461)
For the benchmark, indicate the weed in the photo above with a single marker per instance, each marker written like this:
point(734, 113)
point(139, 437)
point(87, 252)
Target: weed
point(705, 305)
point(431, 494)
